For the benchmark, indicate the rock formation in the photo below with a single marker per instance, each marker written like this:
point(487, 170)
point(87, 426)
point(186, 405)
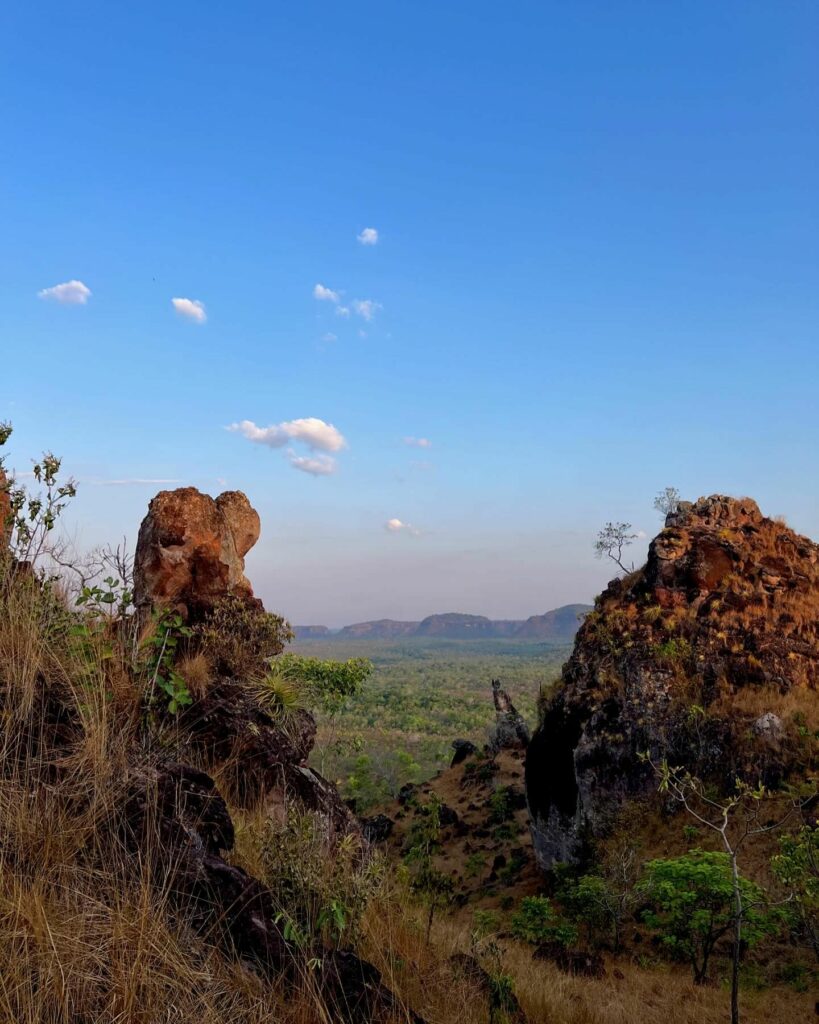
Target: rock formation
point(191, 550)
point(679, 659)
point(510, 732)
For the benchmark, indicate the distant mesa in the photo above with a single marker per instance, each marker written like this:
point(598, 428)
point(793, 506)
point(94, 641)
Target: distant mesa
point(381, 629)
point(557, 626)
point(311, 632)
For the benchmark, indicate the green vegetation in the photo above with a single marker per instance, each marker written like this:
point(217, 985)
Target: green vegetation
point(537, 922)
point(691, 904)
point(422, 694)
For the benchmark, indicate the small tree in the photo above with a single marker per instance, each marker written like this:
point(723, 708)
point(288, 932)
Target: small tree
point(601, 903)
point(796, 866)
point(431, 884)
point(536, 921)
point(692, 905)
point(612, 541)
point(735, 820)
point(667, 501)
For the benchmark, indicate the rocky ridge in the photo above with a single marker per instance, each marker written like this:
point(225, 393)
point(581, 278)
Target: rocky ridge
point(697, 656)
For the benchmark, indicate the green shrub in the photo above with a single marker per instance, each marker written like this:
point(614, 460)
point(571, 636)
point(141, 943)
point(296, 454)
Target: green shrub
point(239, 639)
point(535, 921)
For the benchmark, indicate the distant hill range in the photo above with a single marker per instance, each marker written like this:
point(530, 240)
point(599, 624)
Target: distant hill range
point(559, 625)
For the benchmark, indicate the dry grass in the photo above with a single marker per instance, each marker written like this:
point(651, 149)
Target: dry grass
point(90, 934)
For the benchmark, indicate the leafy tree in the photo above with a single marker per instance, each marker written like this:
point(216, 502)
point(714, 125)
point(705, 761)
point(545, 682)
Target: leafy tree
point(796, 866)
point(537, 922)
point(735, 820)
point(667, 501)
point(430, 883)
point(692, 904)
point(29, 518)
point(612, 541)
point(602, 904)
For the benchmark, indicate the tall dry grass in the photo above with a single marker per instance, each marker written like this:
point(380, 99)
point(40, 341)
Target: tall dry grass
point(91, 933)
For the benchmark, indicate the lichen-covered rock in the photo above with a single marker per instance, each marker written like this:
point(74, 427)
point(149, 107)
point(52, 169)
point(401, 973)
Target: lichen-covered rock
point(724, 613)
point(190, 551)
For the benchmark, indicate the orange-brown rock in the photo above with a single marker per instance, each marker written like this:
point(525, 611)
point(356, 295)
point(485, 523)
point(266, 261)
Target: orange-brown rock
point(695, 657)
point(191, 550)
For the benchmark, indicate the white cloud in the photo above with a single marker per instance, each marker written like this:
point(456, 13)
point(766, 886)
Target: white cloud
point(325, 294)
point(366, 308)
point(418, 442)
point(313, 432)
point(329, 336)
point(70, 293)
point(318, 465)
point(369, 236)
point(342, 311)
point(193, 309)
point(398, 526)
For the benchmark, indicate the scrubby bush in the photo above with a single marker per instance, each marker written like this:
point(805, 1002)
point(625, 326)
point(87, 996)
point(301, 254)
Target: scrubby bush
point(240, 638)
point(537, 922)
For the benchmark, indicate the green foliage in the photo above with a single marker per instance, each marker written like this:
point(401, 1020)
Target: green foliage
point(32, 517)
point(485, 922)
point(676, 651)
point(421, 694)
point(239, 638)
point(537, 922)
point(169, 630)
point(691, 904)
point(322, 896)
point(796, 866)
point(594, 901)
point(432, 885)
point(326, 684)
point(500, 806)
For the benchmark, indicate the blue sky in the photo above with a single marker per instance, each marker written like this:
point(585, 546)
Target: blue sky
point(595, 275)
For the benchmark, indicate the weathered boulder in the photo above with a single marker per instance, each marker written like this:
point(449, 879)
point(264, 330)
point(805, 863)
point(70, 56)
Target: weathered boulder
point(463, 749)
point(190, 551)
point(727, 605)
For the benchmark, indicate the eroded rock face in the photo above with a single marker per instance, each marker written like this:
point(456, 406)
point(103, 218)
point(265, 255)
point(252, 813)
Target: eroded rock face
point(191, 550)
point(723, 616)
point(510, 732)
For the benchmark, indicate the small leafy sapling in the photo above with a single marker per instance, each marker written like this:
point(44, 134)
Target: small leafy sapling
point(667, 501)
point(612, 542)
point(736, 820)
point(169, 630)
point(30, 517)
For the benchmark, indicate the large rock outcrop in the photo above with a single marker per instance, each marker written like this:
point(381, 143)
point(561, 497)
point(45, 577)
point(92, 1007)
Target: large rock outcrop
point(681, 659)
point(191, 550)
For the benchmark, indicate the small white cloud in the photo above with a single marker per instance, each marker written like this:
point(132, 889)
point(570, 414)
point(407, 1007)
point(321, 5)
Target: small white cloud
point(342, 311)
point(329, 336)
point(369, 236)
point(317, 465)
point(313, 432)
point(193, 309)
point(366, 308)
point(325, 294)
point(70, 293)
point(418, 442)
point(398, 526)
point(641, 535)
